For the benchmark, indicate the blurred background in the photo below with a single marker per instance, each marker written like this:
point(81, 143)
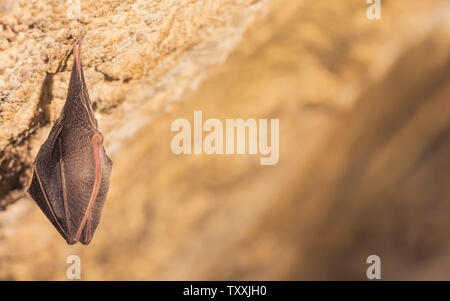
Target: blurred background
point(364, 168)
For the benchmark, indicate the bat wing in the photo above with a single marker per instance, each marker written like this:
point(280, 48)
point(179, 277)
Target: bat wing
point(85, 172)
point(45, 187)
point(72, 171)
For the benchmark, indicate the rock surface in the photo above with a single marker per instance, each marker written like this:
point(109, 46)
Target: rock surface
point(364, 118)
point(139, 58)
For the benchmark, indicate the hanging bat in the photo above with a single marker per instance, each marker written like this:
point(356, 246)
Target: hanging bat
point(71, 170)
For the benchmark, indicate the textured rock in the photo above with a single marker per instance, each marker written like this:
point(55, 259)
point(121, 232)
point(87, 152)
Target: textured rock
point(363, 108)
point(139, 58)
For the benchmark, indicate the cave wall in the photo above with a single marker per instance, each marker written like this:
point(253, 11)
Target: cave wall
point(363, 109)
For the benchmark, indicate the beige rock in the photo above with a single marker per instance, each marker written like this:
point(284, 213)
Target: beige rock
point(140, 57)
point(364, 118)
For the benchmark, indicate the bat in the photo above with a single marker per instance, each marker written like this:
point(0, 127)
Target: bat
point(71, 170)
